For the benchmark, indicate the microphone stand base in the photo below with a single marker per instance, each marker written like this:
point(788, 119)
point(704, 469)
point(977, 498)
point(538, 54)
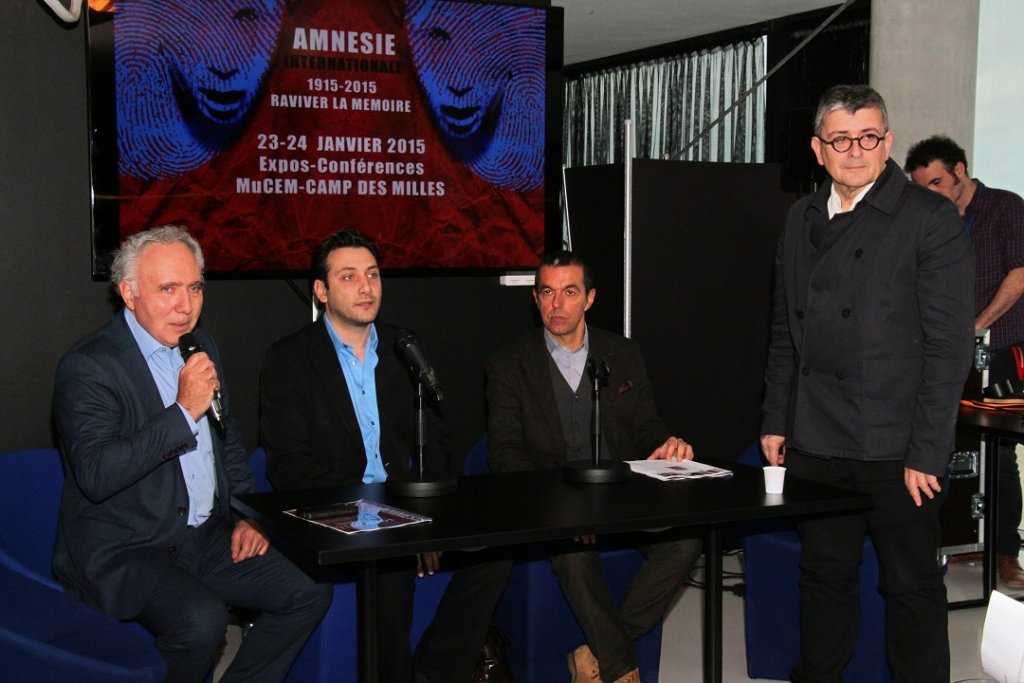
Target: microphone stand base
point(428, 486)
point(605, 472)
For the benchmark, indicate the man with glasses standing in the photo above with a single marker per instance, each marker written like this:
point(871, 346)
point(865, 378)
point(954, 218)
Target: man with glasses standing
point(872, 338)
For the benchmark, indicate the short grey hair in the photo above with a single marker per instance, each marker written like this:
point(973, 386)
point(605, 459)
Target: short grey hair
point(125, 267)
point(851, 99)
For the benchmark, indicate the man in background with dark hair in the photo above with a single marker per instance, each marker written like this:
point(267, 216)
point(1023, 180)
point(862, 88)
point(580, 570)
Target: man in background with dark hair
point(337, 407)
point(539, 417)
point(871, 342)
point(145, 530)
point(995, 221)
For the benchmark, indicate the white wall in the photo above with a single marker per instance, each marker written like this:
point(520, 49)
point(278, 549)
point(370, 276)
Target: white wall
point(958, 71)
point(923, 56)
point(998, 129)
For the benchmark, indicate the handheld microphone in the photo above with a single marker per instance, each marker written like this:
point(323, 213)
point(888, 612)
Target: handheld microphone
point(409, 348)
point(189, 344)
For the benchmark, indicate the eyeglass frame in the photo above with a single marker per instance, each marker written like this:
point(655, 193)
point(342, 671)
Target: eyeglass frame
point(832, 143)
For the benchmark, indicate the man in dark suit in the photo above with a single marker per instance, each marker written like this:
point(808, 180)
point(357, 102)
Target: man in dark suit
point(539, 417)
point(337, 407)
point(336, 398)
point(872, 338)
point(145, 530)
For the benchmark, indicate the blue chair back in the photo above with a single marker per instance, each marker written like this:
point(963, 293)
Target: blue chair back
point(752, 456)
point(258, 463)
point(45, 634)
point(476, 459)
point(30, 488)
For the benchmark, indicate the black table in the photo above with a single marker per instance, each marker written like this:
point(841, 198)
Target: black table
point(992, 425)
point(525, 507)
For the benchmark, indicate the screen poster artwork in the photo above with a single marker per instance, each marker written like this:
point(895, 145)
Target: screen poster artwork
point(265, 125)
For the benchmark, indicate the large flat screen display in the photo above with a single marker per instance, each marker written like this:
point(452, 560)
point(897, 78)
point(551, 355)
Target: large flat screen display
point(264, 125)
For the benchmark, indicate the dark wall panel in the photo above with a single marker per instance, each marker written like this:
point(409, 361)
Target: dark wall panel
point(704, 239)
point(596, 215)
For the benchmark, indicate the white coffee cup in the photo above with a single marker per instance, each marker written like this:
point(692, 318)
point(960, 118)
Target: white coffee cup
point(774, 476)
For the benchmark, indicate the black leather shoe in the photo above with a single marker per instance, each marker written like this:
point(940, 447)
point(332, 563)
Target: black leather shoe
point(492, 667)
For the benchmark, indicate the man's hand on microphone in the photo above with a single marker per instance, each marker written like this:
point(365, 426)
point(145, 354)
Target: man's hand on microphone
point(196, 384)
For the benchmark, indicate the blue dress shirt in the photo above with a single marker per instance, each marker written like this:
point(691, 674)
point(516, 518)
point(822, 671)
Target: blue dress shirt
point(571, 363)
point(362, 388)
point(197, 465)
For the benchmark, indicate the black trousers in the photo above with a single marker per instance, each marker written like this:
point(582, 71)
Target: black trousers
point(188, 610)
point(907, 539)
point(451, 645)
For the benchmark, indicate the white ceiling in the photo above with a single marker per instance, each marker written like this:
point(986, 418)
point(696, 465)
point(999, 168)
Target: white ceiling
point(601, 28)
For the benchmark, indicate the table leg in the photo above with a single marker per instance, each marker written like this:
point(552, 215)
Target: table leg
point(989, 576)
point(713, 606)
point(367, 611)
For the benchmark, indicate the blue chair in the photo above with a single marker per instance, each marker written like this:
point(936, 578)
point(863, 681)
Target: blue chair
point(46, 635)
point(771, 607)
point(30, 486)
point(258, 465)
point(476, 459)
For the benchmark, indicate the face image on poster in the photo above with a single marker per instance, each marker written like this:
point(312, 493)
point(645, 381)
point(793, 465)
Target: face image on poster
point(265, 125)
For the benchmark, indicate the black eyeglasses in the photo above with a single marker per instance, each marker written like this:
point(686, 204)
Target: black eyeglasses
point(842, 144)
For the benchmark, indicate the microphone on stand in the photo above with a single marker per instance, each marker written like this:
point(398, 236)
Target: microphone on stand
point(409, 347)
point(597, 471)
point(420, 485)
point(187, 345)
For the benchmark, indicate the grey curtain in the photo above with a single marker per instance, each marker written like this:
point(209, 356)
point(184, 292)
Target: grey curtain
point(671, 101)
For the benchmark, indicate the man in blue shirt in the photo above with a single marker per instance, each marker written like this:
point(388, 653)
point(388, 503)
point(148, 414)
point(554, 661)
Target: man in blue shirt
point(337, 407)
point(145, 530)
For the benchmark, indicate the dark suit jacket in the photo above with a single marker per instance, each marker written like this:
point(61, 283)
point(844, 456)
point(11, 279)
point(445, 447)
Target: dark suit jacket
point(308, 423)
point(523, 425)
point(872, 332)
point(124, 506)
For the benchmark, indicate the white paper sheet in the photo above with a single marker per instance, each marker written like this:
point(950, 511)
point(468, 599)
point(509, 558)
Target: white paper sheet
point(671, 470)
point(1002, 639)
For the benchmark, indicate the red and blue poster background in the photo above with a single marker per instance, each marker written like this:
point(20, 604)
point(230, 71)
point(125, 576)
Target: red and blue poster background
point(265, 125)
